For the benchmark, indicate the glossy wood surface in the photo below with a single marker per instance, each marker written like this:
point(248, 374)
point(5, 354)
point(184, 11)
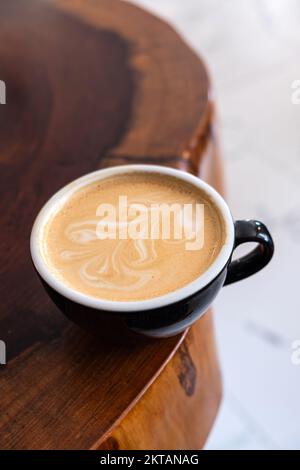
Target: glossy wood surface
point(91, 84)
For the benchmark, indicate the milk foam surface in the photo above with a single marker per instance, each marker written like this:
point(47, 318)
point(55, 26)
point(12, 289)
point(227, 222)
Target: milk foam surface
point(128, 270)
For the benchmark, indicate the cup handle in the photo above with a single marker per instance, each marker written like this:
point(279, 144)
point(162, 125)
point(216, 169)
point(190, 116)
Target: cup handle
point(250, 231)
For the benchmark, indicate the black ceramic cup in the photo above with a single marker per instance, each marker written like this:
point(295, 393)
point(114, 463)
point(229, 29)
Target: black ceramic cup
point(169, 314)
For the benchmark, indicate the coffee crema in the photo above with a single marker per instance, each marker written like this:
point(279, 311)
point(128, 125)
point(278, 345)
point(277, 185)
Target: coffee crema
point(129, 269)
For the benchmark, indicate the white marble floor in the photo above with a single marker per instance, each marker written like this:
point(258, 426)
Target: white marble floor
point(252, 49)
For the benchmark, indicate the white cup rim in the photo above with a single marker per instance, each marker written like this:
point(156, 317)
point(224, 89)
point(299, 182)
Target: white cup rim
point(60, 197)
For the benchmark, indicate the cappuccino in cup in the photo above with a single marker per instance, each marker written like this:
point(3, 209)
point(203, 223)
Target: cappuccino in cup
point(133, 236)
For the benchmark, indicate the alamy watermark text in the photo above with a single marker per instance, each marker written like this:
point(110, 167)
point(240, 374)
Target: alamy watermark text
point(2, 92)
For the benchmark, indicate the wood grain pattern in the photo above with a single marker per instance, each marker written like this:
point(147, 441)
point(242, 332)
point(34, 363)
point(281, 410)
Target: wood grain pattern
point(178, 409)
point(89, 84)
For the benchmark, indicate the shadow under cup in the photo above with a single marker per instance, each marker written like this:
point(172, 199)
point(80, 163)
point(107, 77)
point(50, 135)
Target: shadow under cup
point(168, 314)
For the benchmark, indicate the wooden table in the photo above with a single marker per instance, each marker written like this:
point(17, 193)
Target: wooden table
point(90, 84)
